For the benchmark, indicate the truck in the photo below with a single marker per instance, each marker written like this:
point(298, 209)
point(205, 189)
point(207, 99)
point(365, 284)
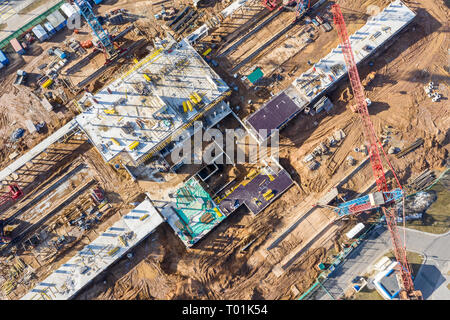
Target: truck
point(21, 78)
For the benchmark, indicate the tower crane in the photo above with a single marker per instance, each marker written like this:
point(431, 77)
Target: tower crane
point(384, 198)
point(106, 42)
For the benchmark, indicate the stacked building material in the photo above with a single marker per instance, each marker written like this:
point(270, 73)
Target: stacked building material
point(410, 148)
point(423, 180)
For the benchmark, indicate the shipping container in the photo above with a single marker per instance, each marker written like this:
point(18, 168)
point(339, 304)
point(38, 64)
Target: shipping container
point(40, 33)
point(4, 61)
point(17, 46)
point(57, 20)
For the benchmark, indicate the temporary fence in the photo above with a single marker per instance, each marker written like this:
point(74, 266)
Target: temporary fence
point(319, 285)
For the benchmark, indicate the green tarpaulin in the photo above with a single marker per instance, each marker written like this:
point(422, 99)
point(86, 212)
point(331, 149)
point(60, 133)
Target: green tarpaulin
point(255, 75)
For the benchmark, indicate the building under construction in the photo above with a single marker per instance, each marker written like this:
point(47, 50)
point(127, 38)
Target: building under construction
point(323, 76)
point(154, 103)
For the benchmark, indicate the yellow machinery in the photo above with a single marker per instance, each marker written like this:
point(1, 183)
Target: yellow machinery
point(115, 141)
point(197, 96)
point(193, 99)
point(133, 145)
point(113, 251)
point(207, 52)
point(189, 104)
point(185, 106)
point(268, 195)
point(47, 83)
point(219, 214)
point(257, 201)
point(110, 111)
point(146, 77)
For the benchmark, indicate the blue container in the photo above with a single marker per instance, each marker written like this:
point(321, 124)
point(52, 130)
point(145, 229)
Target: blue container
point(98, 1)
point(48, 26)
point(4, 61)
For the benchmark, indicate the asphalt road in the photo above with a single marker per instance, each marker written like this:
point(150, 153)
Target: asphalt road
point(432, 278)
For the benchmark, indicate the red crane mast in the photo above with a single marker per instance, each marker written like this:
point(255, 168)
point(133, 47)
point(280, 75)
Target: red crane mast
point(373, 145)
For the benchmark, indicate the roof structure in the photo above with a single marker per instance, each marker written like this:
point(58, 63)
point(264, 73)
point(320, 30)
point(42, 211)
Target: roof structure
point(257, 191)
point(65, 282)
point(373, 35)
point(153, 103)
point(386, 282)
point(193, 212)
point(274, 114)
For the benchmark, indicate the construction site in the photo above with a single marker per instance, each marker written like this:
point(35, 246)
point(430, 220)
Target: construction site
point(349, 102)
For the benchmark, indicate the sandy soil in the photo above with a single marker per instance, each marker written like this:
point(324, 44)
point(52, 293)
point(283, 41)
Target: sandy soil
point(163, 269)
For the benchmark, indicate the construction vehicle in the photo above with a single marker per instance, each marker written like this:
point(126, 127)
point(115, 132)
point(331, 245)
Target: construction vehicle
point(369, 78)
point(5, 234)
point(384, 198)
point(98, 195)
point(270, 4)
point(21, 77)
point(14, 193)
point(298, 6)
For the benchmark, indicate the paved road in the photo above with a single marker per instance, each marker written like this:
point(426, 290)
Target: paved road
point(432, 278)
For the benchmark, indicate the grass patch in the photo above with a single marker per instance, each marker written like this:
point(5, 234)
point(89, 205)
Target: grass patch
point(367, 294)
point(437, 218)
point(32, 6)
point(415, 260)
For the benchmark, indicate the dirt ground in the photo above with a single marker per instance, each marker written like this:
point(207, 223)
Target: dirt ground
point(215, 268)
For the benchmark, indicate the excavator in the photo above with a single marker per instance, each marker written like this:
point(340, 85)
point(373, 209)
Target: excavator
point(14, 193)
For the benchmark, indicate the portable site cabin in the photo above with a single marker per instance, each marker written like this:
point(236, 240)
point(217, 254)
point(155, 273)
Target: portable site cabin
point(17, 46)
point(355, 230)
point(50, 29)
point(4, 61)
point(57, 20)
point(40, 33)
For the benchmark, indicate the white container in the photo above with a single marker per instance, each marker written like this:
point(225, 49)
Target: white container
point(57, 20)
point(355, 230)
point(40, 33)
point(71, 13)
